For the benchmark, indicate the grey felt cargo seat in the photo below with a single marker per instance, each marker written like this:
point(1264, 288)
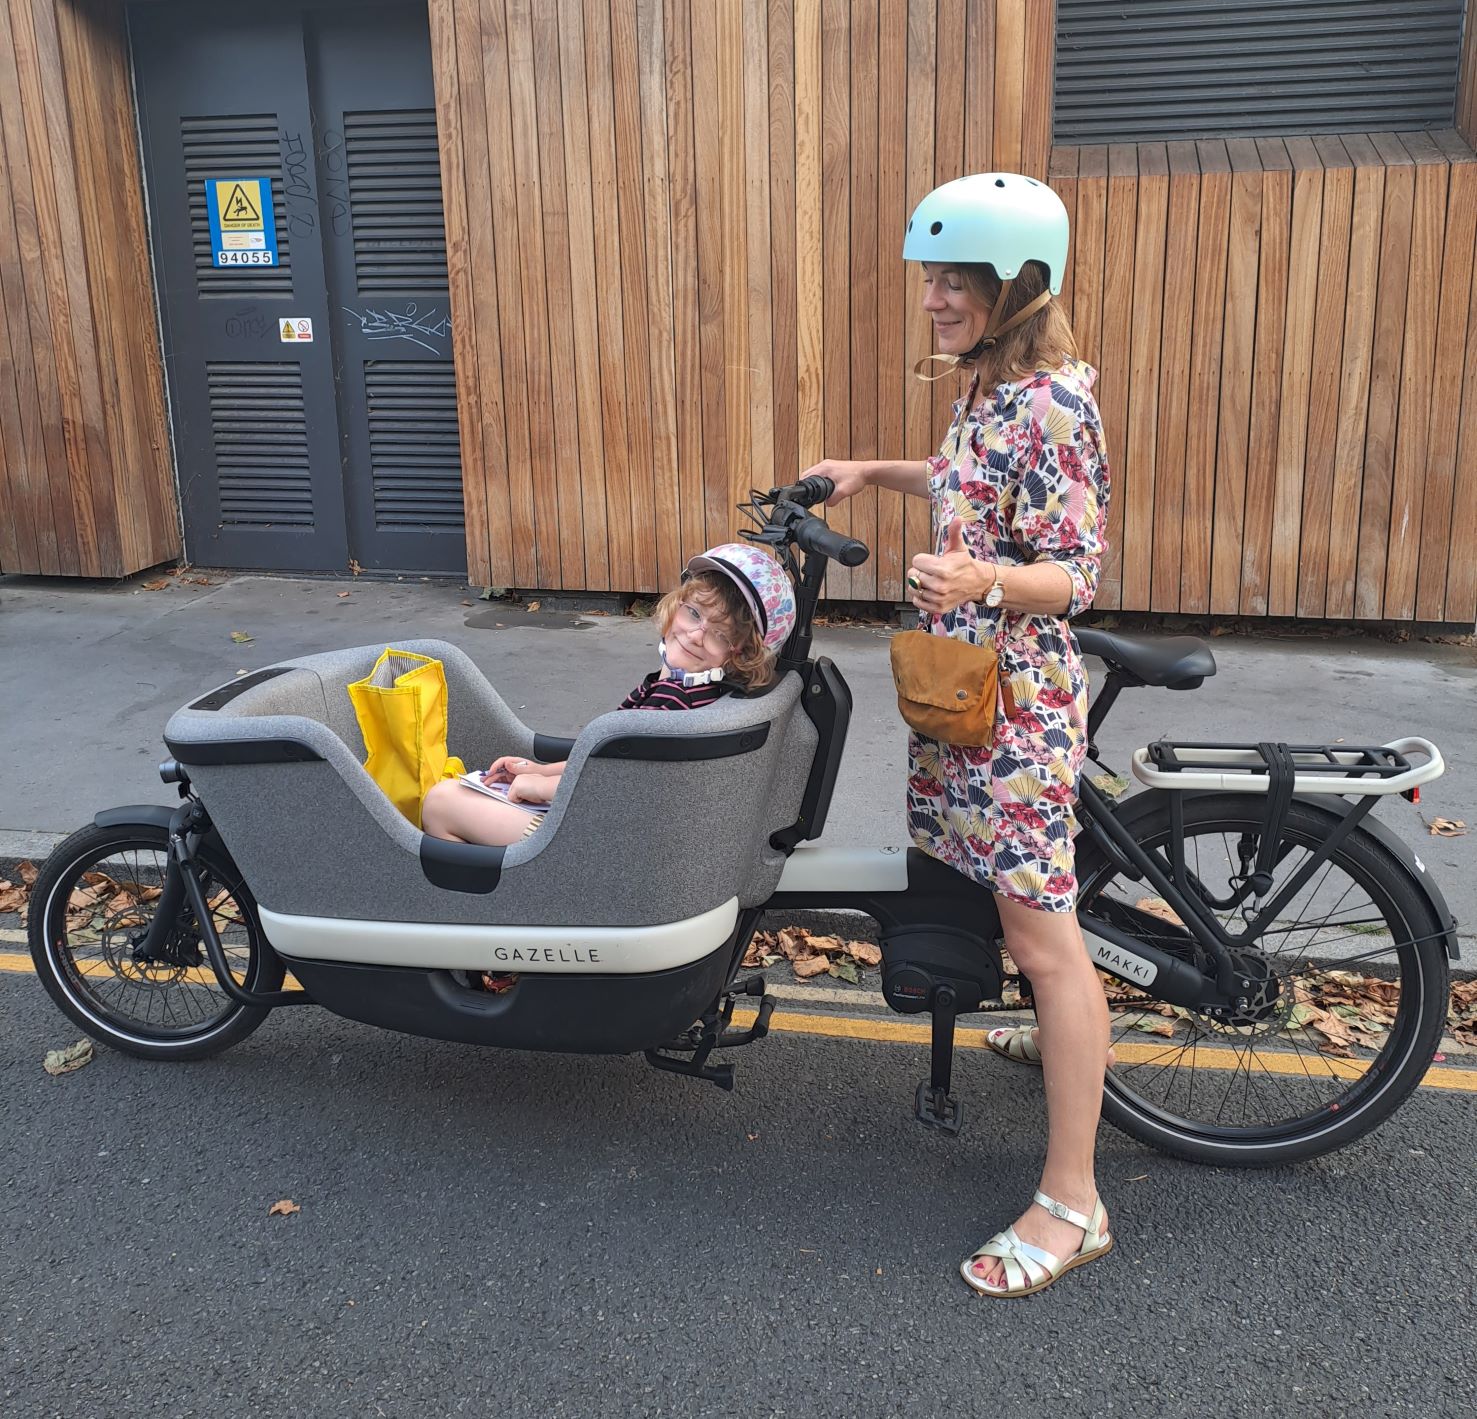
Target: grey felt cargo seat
point(659, 817)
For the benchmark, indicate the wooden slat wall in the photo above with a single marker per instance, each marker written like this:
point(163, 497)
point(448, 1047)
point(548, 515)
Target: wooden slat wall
point(686, 282)
point(1310, 454)
point(86, 487)
point(681, 223)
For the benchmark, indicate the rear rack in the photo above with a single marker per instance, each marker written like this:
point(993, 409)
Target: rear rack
point(1342, 769)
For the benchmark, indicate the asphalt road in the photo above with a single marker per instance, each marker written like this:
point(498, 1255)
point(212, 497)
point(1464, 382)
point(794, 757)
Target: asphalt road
point(502, 1234)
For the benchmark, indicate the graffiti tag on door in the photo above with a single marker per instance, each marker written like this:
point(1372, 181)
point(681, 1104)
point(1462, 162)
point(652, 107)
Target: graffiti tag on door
point(409, 324)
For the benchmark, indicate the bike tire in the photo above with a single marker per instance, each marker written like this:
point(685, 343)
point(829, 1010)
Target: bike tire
point(171, 1013)
point(1325, 1110)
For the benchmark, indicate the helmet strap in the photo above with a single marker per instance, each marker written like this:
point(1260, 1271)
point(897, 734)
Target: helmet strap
point(987, 341)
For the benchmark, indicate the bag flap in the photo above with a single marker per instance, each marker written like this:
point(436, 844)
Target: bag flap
point(940, 671)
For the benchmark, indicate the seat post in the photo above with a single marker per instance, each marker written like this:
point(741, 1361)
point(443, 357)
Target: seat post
point(1102, 702)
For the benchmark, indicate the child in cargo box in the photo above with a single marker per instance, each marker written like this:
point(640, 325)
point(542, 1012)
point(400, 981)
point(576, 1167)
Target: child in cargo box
point(720, 632)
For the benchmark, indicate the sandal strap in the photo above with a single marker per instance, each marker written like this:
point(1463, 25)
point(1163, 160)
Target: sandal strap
point(1066, 1214)
point(1024, 1264)
point(1018, 1044)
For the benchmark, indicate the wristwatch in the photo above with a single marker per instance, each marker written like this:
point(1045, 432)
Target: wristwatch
point(996, 594)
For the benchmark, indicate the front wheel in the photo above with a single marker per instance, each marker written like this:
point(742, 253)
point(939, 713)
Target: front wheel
point(1351, 998)
point(94, 899)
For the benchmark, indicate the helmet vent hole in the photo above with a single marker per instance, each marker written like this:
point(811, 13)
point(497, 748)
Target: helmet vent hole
point(999, 182)
point(935, 229)
point(910, 224)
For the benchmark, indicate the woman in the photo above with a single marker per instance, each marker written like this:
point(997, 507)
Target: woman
point(1019, 503)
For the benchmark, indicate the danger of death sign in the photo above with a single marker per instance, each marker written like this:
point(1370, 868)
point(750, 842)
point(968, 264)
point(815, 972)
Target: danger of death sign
point(243, 227)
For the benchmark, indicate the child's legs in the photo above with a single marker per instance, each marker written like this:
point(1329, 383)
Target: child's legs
point(451, 810)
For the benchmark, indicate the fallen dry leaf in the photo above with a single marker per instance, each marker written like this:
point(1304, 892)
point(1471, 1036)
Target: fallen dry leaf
point(343, 594)
point(827, 945)
point(12, 898)
point(241, 637)
point(355, 567)
point(534, 605)
point(285, 1208)
point(811, 966)
point(864, 953)
point(155, 585)
point(1447, 827)
point(27, 873)
point(1157, 906)
point(64, 1061)
point(1155, 1027)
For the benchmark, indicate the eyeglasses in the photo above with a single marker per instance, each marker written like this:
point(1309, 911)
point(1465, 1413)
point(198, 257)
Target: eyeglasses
point(697, 624)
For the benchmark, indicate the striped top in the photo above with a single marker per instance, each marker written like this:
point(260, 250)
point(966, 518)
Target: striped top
point(656, 693)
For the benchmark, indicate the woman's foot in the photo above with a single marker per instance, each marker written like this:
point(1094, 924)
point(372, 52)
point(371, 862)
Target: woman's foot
point(1023, 1044)
point(1071, 1242)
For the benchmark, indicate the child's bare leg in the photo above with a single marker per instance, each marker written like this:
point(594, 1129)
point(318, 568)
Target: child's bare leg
point(461, 814)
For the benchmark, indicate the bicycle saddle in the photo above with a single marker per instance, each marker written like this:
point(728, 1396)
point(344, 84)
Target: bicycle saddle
point(1175, 663)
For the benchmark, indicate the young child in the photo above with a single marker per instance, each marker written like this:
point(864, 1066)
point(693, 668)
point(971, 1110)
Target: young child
point(720, 632)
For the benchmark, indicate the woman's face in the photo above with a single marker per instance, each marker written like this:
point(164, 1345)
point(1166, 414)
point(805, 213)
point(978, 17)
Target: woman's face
point(958, 315)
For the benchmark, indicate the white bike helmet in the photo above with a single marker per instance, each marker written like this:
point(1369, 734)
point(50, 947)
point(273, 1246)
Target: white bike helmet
point(998, 219)
point(762, 582)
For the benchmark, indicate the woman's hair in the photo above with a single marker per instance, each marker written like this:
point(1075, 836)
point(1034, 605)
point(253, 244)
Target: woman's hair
point(1042, 341)
point(750, 664)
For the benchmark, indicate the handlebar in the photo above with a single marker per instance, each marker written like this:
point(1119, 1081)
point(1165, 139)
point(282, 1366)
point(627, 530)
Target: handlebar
point(808, 532)
point(806, 493)
point(814, 536)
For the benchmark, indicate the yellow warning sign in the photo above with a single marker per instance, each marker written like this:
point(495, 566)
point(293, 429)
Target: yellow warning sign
point(240, 205)
point(289, 331)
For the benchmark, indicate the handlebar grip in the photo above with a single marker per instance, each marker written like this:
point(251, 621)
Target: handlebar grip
point(807, 492)
point(814, 536)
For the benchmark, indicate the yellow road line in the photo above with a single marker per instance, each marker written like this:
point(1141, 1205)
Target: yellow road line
point(850, 1027)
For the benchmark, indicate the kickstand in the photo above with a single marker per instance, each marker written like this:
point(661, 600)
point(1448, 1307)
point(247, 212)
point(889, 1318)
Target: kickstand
point(934, 1105)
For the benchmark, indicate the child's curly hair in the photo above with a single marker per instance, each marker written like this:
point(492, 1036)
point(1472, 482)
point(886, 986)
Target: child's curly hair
point(751, 664)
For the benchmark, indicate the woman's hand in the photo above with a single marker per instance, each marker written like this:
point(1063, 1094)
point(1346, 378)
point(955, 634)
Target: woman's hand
point(533, 788)
point(940, 584)
point(849, 477)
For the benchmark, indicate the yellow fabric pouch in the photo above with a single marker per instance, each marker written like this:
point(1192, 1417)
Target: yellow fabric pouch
point(401, 708)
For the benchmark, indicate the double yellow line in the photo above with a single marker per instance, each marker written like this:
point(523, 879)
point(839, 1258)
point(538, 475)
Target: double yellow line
point(858, 1027)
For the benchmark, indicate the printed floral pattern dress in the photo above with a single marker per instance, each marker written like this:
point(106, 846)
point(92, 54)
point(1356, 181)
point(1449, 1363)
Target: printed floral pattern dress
point(1027, 473)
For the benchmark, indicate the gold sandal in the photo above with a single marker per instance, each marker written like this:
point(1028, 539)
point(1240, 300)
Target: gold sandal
point(1018, 1044)
point(1029, 1269)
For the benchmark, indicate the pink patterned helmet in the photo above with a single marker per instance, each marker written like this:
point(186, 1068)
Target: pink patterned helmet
point(763, 583)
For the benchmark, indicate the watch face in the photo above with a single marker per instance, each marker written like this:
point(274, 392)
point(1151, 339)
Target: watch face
point(995, 595)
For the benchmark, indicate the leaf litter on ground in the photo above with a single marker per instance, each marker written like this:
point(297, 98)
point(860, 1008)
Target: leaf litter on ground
point(811, 954)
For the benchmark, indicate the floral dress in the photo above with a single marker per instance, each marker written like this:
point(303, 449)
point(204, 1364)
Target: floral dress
point(1027, 473)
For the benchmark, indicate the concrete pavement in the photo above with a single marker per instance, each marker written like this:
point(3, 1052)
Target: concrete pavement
point(93, 670)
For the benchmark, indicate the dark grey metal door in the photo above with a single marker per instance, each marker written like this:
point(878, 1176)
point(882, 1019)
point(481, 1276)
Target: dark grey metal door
point(305, 455)
point(385, 241)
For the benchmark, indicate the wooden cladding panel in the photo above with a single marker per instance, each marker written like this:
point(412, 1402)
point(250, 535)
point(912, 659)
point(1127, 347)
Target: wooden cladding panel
point(683, 220)
point(85, 486)
point(1322, 466)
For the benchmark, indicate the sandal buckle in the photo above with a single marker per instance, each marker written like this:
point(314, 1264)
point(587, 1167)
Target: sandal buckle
point(1060, 1211)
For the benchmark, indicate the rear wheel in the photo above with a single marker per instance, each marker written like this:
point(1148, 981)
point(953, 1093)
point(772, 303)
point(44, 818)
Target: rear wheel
point(93, 901)
point(1350, 997)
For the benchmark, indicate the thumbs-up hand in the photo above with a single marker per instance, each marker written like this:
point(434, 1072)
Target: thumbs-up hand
point(940, 584)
